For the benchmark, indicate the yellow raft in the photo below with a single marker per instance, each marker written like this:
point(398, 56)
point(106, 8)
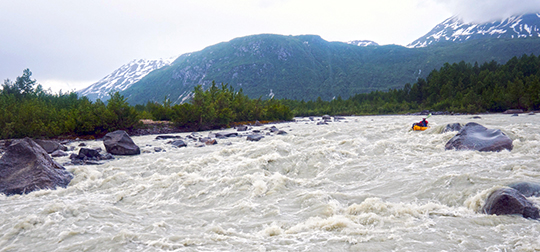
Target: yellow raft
point(420, 128)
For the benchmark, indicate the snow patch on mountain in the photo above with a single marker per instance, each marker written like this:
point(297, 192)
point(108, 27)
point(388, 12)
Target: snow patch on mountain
point(362, 43)
point(455, 30)
point(123, 77)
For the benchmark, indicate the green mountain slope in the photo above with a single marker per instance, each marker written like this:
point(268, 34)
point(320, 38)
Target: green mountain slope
point(306, 67)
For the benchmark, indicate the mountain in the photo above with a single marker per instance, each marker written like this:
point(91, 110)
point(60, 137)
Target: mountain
point(294, 67)
point(123, 77)
point(455, 30)
point(307, 67)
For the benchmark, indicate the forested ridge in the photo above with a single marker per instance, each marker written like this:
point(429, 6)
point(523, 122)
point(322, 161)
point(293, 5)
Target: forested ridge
point(307, 66)
point(459, 88)
point(29, 111)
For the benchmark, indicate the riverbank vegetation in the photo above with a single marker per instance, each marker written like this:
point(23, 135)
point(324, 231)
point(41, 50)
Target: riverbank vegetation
point(216, 107)
point(29, 111)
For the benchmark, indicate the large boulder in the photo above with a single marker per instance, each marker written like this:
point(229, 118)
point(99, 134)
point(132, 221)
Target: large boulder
point(50, 146)
point(506, 201)
point(119, 143)
point(26, 167)
point(474, 136)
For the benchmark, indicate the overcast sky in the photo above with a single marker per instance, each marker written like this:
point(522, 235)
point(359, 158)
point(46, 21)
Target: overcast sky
point(70, 44)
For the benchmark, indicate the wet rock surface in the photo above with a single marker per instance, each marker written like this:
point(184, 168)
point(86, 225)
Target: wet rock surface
point(50, 146)
point(89, 156)
point(178, 143)
point(452, 127)
point(27, 167)
point(254, 137)
point(474, 136)
point(509, 201)
point(527, 189)
point(119, 143)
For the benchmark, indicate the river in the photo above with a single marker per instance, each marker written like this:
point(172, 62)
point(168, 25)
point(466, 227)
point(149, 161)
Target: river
point(363, 184)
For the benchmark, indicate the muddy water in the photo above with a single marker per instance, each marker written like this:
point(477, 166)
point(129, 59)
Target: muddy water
point(363, 184)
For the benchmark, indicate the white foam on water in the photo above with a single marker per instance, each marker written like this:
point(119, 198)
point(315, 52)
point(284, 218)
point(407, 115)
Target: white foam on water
point(364, 184)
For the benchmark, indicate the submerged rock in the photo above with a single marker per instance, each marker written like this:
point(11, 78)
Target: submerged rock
point(513, 111)
point(211, 142)
point(26, 167)
point(161, 137)
point(226, 134)
point(474, 136)
point(59, 153)
point(452, 127)
point(242, 128)
point(88, 156)
point(527, 189)
point(119, 143)
point(274, 129)
point(507, 201)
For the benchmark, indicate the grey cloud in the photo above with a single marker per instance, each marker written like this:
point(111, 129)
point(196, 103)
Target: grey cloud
point(482, 11)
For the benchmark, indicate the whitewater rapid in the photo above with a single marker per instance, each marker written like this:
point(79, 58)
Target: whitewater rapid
point(363, 184)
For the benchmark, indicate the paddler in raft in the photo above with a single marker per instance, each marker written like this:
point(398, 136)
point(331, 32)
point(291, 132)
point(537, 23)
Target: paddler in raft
point(423, 123)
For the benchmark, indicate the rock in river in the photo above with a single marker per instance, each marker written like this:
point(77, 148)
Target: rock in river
point(50, 146)
point(527, 189)
point(178, 143)
point(510, 201)
point(119, 143)
point(452, 127)
point(254, 137)
point(88, 156)
point(26, 167)
point(474, 136)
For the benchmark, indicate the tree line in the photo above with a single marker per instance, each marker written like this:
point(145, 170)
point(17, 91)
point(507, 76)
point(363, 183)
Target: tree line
point(29, 111)
point(458, 87)
point(217, 107)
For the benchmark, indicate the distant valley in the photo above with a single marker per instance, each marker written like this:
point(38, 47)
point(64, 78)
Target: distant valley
point(307, 67)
